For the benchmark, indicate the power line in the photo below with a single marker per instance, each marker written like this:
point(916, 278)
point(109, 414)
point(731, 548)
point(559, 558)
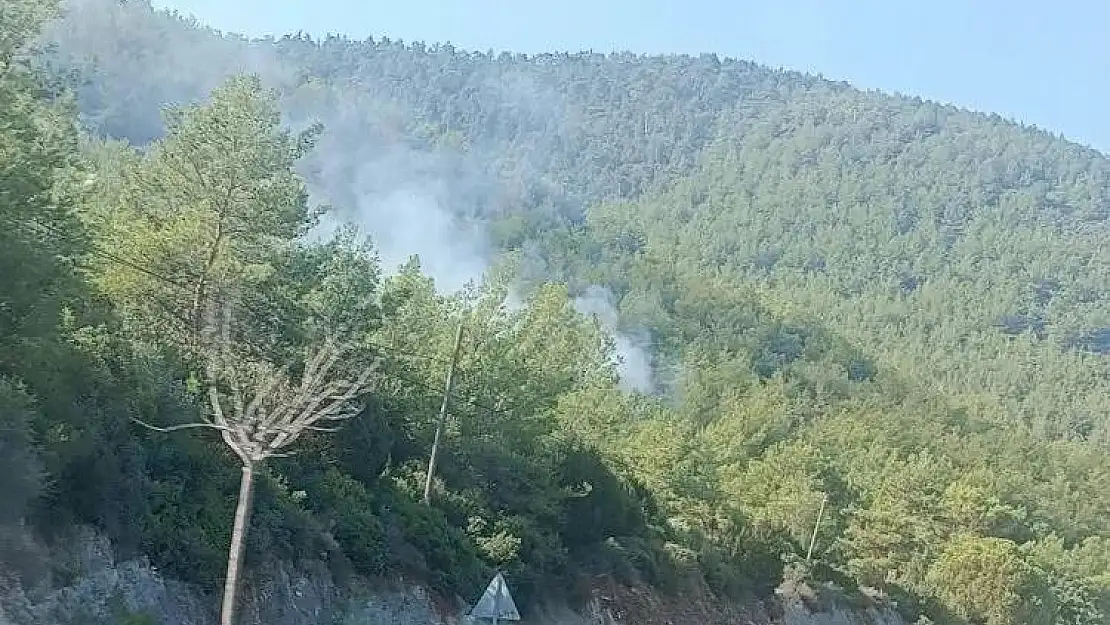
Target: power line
point(96, 250)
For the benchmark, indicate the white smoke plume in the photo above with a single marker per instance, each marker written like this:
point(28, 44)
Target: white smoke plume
point(378, 164)
point(410, 199)
point(632, 351)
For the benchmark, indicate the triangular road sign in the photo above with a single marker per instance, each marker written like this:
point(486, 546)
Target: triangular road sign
point(496, 603)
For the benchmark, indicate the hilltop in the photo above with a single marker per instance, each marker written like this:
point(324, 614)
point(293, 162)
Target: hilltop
point(888, 310)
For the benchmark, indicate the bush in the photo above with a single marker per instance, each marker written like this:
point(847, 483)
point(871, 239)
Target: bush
point(451, 561)
point(21, 472)
point(355, 523)
point(988, 580)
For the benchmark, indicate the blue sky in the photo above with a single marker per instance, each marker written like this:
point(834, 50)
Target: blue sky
point(1037, 61)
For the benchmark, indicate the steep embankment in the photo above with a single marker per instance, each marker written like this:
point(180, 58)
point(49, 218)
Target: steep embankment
point(99, 590)
point(885, 309)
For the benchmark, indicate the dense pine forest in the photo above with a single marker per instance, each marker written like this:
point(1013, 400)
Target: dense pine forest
point(706, 307)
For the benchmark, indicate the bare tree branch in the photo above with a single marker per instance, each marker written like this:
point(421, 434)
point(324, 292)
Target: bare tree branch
point(175, 428)
point(278, 412)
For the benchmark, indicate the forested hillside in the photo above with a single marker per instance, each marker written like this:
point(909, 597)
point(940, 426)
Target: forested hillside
point(886, 312)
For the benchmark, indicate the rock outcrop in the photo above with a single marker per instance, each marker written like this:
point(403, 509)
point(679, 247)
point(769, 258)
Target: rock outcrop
point(87, 586)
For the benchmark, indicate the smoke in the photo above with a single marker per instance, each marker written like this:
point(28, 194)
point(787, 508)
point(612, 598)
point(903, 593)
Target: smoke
point(632, 349)
point(410, 201)
point(133, 61)
point(514, 301)
point(383, 162)
point(411, 198)
point(410, 221)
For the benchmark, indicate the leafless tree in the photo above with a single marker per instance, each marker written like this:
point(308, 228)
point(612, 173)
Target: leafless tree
point(264, 424)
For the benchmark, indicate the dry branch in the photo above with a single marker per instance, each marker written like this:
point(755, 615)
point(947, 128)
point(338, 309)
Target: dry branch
point(280, 412)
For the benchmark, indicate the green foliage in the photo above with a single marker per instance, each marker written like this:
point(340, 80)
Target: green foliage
point(988, 580)
point(891, 304)
point(122, 615)
point(356, 526)
point(38, 148)
point(443, 551)
point(20, 467)
point(206, 210)
point(20, 22)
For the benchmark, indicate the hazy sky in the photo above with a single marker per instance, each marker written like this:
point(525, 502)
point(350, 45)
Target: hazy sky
point(1038, 61)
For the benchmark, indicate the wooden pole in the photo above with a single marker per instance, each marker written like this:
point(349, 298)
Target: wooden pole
point(442, 417)
point(816, 526)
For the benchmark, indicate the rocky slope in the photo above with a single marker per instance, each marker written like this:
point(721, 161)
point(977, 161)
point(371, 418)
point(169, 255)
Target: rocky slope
point(86, 585)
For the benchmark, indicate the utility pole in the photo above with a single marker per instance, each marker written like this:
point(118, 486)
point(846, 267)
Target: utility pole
point(442, 416)
point(813, 538)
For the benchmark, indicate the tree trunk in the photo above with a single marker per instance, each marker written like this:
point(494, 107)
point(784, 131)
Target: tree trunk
point(200, 291)
point(238, 545)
